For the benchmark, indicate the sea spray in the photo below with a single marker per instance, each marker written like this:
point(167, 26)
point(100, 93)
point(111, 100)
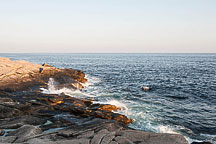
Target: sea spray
point(91, 80)
point(71, 92)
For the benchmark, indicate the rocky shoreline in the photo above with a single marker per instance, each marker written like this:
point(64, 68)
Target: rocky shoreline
point(29, 116)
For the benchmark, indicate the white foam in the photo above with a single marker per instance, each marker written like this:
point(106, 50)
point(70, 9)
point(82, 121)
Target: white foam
point(91, 80)
point(166, 129)
point(209, 137)
point(71, 92)
point(51, 85)
point(118, 104)
point(143, 118)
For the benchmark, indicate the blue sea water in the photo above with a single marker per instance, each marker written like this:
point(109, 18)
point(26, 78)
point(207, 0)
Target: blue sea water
point(182, 98)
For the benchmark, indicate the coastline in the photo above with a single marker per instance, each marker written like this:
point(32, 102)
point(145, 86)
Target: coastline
point(61, 118)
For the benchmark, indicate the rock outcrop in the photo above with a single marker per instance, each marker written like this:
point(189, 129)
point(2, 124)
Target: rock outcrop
point(20, 75)
point(33, 103)
point(28, 116)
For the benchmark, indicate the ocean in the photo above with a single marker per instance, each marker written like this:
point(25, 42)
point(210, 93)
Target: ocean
point(182, 95)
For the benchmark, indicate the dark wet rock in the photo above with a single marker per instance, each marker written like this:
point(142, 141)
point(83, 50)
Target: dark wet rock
point(53, 100)
point(6, 111)
point(2, 132)
point(4, 94)
point(46, 65)
point(201, 143)
point(13, 123)
point(79, 107)
point(40, 70)
point(6, 100)
point(8, 139)
point(56, 124)
point(25, 132)
point(177, 97)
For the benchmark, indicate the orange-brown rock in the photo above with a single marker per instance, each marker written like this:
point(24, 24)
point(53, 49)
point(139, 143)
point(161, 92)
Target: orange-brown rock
point(108, 107)
point(53, 101)
point(2, 132)
point(21, 75)
point(81, 107)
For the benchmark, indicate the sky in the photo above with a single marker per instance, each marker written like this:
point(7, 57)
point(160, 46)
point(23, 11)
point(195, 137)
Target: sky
point(107, 26)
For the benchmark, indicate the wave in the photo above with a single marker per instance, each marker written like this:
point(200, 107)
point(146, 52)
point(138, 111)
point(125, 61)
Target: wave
point(178, 97)
point(210, 138)
point(119, 104)
point(143, 121)
point(142, 114)
point(91, 80)
point(71, 92)
point(165, 129)
point(88, 91)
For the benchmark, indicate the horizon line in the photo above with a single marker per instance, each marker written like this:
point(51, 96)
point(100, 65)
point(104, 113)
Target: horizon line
point(106, 53)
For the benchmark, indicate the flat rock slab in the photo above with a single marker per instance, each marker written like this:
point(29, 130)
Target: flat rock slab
point(107, 132)
point(7, 111)
point(25, 132)
point(8, 139)
point(74, 141)
point(152, 138)
point(14, 123)
point(40, 141)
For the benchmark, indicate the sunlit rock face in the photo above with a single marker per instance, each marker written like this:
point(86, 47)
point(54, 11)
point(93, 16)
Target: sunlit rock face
point(20, 75)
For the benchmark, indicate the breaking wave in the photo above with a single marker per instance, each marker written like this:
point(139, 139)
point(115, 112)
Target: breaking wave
point(51, 89)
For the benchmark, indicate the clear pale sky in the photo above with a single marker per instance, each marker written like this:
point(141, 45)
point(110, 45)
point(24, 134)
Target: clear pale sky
point(108, 26)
